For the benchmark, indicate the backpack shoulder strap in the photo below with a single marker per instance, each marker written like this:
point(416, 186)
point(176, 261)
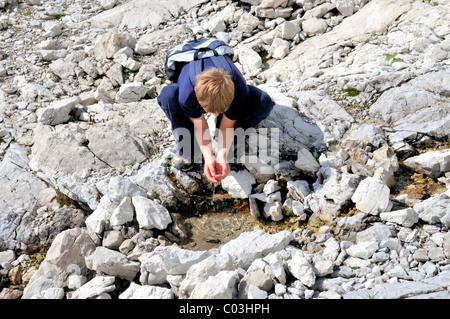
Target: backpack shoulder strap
point(221, 63)
point(195, 67)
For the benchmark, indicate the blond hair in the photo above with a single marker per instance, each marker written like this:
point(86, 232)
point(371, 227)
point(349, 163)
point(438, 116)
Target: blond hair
point(214, 90)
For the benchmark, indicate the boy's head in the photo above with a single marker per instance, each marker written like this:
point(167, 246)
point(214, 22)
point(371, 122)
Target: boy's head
point(214, 90)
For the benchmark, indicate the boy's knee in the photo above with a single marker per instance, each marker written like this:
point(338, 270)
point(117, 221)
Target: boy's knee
point(168, 93)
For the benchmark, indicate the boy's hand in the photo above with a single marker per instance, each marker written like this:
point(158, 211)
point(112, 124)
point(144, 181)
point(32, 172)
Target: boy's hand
point(210, 170)
point(222, 168)
point(216, 169)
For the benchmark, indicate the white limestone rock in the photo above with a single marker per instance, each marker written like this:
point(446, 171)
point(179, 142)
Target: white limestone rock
point(363, 250)
point(314, 26)
point(112, 263)
point(123, 213)
point(221, 286)
point(239, 184)
point(150, 214)
point(131, 92)
point(95, 287)
point(372, 196)
point(435, 209)
point(433, 163)
point(57, 112)
point(255, 244)
point(167, 260)
point(250, 60)
point(204, 269)
point(306, 162)
point(405, 217)
point(345, 7)
point(135, 291)
point(301, 268)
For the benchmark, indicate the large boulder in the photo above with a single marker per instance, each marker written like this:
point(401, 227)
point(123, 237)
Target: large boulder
point(65, 256)
point(21, 196)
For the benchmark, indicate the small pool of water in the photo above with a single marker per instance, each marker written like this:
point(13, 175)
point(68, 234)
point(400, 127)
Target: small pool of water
point(221, 219)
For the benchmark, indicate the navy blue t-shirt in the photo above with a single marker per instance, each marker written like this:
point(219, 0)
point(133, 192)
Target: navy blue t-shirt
point(188, 100)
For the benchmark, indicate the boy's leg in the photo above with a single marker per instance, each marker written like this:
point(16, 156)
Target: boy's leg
point(260, 104)
point(182, 127)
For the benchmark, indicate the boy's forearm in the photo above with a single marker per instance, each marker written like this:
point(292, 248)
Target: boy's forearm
point(226, 137)
point(203, 137)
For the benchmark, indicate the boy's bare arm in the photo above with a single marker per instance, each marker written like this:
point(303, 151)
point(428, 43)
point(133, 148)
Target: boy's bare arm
point(203, 138)
point(226, 136)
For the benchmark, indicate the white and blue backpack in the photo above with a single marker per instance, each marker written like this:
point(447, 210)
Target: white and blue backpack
point(193, 52)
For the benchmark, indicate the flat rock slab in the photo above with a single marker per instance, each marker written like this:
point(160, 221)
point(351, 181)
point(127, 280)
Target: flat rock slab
point(372, 19)
point(256, 244)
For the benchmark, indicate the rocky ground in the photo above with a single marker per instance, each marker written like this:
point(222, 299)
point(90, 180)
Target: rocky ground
point(354, 203)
